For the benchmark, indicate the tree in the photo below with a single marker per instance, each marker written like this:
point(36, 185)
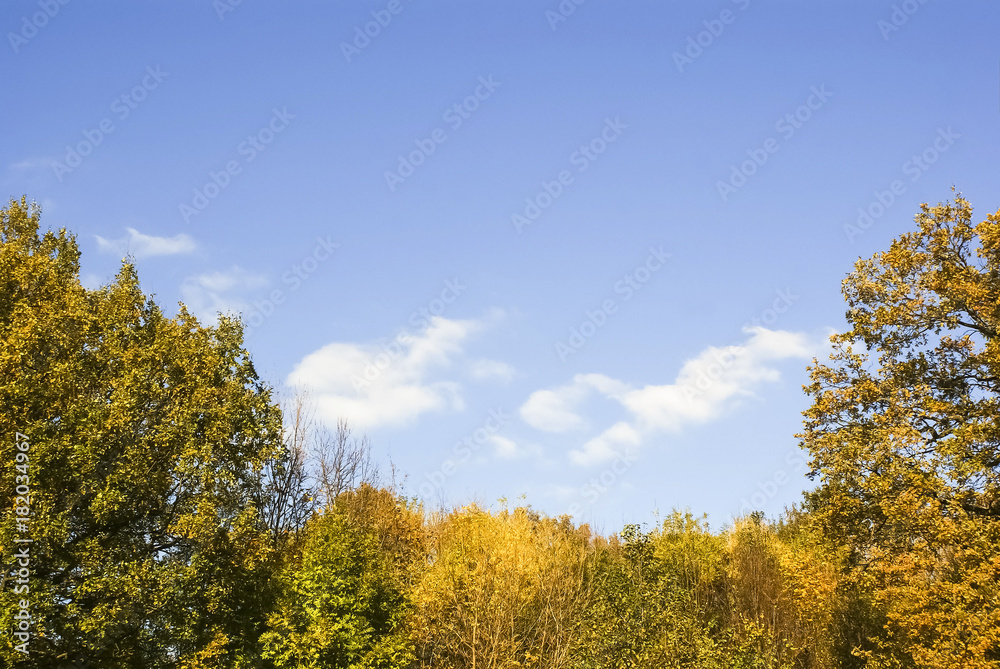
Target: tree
point(652, 602)
point(346, 595)
point(342, 462)
point(904, 434)
point(501, 590)
point(147, 438)
point(286, 500)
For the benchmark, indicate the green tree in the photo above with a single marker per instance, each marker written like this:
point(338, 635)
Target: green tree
point(657, 598)
point(345, 595)
point(147, 438)
point(904, 434)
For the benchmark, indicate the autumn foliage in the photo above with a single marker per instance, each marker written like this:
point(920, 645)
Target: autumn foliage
point(181, 519)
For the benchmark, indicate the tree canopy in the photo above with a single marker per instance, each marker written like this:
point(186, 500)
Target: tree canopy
point(904, 433)
point(148, 435)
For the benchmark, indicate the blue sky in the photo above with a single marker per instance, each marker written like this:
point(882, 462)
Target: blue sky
point(577, 252)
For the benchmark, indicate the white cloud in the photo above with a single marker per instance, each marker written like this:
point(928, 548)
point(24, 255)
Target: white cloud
point(556, 410)
point(606, 446)
point(143, 246)
point(708, 383)
point(706, 386)
point(505, 448)
point(91, 281)
point(486, 370)
point(208, 295)
point(375, 384)
point(509, 449)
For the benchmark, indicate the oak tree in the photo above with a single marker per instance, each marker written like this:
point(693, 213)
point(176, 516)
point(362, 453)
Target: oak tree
point(904, 434)
point(148, 435)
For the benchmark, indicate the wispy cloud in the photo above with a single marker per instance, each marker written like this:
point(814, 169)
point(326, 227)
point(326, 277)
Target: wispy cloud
point(227, 292)
point(505, 448)
point(606, 446)
point(706, 386)
point(143, 246)
point(30, 174)
point(30, 164)
point(710, 382)
point(557, 410)
point(90, 281)
point(486, 370)
point(391, 382)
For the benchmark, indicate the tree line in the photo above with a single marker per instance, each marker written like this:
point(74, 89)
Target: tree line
point(179, 517)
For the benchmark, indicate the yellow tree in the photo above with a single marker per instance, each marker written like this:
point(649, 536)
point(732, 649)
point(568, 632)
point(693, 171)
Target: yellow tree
point(782, 596)
point(501, 591)
point(904, 434)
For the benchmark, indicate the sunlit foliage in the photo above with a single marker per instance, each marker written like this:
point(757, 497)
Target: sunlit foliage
point(177, 522)
point(904, 433)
